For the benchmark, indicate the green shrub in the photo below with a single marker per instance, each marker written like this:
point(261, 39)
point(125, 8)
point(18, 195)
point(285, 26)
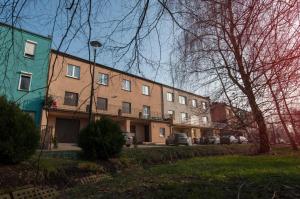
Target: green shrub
point(19, 138)
point(159, 155)
point(102, 139)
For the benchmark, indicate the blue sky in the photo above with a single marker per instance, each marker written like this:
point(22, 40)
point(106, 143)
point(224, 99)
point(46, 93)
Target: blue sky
point(38, 16)
point(157, 47)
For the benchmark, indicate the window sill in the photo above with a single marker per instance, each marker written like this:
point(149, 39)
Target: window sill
point(29, 57)
point(23, 90)
point(145, 94)
point(102, 84)
point(72, 77)
point(126, 90)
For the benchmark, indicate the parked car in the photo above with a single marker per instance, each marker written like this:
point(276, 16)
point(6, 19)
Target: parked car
point(203, 140)
point(128, 138)
point(213, 140)
point(242, 140)
point(228, 139)
point(196, 140)
point(178, 138)
point(210, 140)
point(281, 141)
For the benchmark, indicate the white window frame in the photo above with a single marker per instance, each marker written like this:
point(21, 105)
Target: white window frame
point(164, 132)
point(73, 71)
point(204, 105)
point(35, 45)
point(125, 83)
point(168, 97)
point(27, 74)
point(99, 79)
point(180, 97)
point(194, 103)
point(146, 114)
point(184, 119)
point(145, 90)
point(205, 119)
point(173, 112)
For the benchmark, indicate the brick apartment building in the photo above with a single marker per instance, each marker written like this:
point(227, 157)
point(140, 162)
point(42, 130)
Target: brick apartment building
point(148, 109)
point(190, 113)
point(230, 120)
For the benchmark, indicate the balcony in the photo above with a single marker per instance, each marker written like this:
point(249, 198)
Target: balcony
point(110, 109)
point(197, 122)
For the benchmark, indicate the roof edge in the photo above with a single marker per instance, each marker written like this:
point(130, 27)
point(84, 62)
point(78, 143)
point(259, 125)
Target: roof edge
point(126, 73)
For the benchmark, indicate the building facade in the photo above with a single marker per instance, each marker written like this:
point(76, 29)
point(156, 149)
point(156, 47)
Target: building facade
point(135, 103)
point(139, 105)
point(229, 120)
point(189, 112)
point(24, 60)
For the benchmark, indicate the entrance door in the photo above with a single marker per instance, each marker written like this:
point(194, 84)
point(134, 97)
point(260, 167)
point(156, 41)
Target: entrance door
point(67, 130)
point(147, 133)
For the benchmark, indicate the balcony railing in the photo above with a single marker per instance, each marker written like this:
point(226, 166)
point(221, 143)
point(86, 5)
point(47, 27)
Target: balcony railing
point(110, 109)
point(191, 122)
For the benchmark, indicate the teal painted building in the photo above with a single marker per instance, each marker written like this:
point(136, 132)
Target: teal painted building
point(24, 60)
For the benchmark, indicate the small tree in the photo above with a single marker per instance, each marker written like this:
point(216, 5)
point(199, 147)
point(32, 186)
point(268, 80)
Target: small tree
point(19, 137)
point(101, 139)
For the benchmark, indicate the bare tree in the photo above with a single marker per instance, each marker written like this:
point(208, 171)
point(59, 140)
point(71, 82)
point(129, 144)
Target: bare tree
point(237, 41)
point(233, 41)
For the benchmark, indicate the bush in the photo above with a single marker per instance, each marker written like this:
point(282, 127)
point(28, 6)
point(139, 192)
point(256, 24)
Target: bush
point(19, 138)
point(102, 139)
point(159, 155)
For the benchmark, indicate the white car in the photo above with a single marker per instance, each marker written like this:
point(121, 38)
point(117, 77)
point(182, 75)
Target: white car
point(228, 139)
point(242, 140)
point(233, 140)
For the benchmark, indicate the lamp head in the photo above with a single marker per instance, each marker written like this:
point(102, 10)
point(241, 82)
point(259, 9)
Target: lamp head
point(95, 44)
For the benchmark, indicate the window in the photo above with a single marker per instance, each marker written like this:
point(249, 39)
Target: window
point(227, 112)
point(71, 99)
point(182, 99)
point(205, 119)
point(126, 107)
point(146, 111)
point(103, 79)
point(29, 50)
point(101, 103)
point(171, 113)
point(194, 103)
point(204, 105)
point(145, 90)
point(126, 85)
point(184, 117)
point(162, 132)
point(25, 82)
point(73, 71)
point(170, 97)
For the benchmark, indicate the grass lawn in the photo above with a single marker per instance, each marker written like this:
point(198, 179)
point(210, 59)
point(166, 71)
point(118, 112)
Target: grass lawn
point(230, 176)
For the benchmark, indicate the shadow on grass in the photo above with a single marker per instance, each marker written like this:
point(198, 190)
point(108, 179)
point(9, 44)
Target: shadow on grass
point(213, 177)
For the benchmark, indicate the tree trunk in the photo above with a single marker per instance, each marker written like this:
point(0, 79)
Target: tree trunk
point(260, 121)
point(286, 130)
point(289, 112)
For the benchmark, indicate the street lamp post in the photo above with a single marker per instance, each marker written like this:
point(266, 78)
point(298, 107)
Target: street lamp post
point(95, 45)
